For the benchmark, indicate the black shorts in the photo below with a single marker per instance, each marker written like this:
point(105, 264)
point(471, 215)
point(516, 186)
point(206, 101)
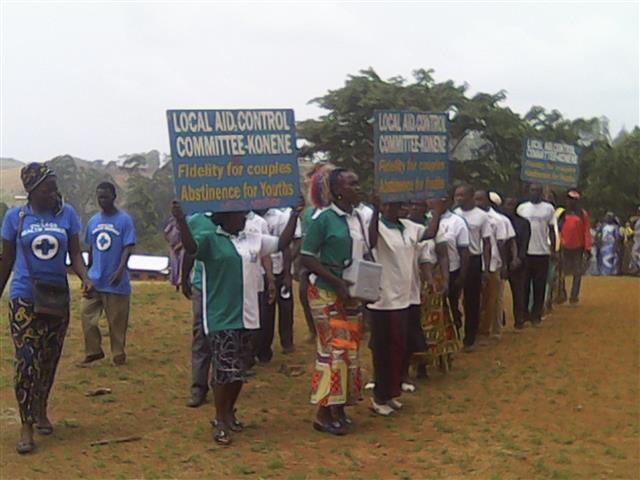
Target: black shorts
point(231, 355)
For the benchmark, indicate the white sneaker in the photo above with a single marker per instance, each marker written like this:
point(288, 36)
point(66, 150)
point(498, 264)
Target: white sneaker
point(384, 410)
point(370, 386)
point(408, 387)
point(395, 404)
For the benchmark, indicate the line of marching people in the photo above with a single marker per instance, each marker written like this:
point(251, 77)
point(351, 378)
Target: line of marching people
point(445, 264)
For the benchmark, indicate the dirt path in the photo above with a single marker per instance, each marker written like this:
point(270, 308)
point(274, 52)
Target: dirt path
point(557, 402)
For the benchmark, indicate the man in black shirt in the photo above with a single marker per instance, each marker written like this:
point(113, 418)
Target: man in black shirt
point(517, 278)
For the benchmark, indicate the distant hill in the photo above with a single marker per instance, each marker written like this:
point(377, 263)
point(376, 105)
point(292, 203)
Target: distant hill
point(9, 163)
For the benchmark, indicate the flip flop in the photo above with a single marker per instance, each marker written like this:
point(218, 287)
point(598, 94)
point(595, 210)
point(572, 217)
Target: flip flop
point(44, 430)
point(334, 428)
point(25, 447)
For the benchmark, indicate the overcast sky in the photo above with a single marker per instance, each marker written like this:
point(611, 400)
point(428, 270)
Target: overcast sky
point(94, 79)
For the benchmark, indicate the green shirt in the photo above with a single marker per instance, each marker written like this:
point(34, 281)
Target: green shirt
point(200, 223)
point(231, 275)
point(329, 238)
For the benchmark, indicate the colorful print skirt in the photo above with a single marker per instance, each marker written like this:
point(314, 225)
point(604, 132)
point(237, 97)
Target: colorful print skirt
point(440, 332)
point(337, 379)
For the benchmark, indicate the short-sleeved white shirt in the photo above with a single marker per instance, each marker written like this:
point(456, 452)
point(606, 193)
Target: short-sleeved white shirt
point(498, 234)
point(454, 229)
point(277, 220)
point(256, 224)
point(423, 253)
point(479, 228)
point(541, 216)
point(396, 251)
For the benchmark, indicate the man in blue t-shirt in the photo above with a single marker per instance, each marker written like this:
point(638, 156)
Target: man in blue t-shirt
point(111, 237)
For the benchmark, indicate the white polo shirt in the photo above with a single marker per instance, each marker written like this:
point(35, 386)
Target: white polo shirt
point(396, 251)
point(454, 229)
point(479, 228)
point(277, 220)
point(498, 233)
point(423, 253)
point(256, 224)
point(541, 216)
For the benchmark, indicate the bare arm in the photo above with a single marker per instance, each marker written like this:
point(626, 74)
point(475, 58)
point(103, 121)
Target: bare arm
point(185, 281)
point(124, 259)
point(443, 262)
point(486, 252)
point(77, 264)
point(189, 244)
point(373, 227)
point(552, 238)
point(290, 230)
point(286, 266)
point(432, 229)
point(464, 265)
point(6, 264)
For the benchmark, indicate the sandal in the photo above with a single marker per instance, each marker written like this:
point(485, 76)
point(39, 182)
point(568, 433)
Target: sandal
point(236, 425)
point(346, 422)
point(334, 428)
point(220, 434)
point(23, 447)
point(44, 429)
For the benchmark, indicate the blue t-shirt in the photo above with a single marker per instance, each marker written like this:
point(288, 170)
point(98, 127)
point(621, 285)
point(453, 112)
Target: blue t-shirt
point(108, 236)
point(45, 241)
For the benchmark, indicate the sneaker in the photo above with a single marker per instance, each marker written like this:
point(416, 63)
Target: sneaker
point(395, 404)
point(408, 387)
point(469, 348)
point(288, 350)
point(370, 386)
point(384, 410)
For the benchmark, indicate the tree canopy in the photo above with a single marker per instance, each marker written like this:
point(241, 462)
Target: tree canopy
point(487, 137)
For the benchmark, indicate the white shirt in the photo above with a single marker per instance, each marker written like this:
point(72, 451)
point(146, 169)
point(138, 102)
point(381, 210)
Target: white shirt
point(541, 216)
point(456, 233)
point(256, 224)
point(424, 252)
point(277, 220)
point(479, 228)
point(498, 234)
point(396, 251)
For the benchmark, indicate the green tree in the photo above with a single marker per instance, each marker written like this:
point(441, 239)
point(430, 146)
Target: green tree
point(78, 183)
point(489, 133)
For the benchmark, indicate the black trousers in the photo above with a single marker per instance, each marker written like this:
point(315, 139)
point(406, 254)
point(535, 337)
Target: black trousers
point(472, 289)
point(454, 298)
point(519, 294)
point(388, 346)
point(268, 321)
point(201, 354)
point(536, 271)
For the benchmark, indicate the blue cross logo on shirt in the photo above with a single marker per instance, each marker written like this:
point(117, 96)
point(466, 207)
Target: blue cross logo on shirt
point(103, 241)
point(45, 246)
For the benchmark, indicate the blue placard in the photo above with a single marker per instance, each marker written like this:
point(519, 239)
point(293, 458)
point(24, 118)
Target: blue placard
point(550, 163)
point(233, 160)
point(411, 154)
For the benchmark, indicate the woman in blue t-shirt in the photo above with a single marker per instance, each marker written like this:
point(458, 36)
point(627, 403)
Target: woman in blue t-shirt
point(35, 241)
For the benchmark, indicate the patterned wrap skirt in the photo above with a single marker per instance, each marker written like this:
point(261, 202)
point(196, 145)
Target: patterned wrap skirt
point(440, 332)
point(337, 378)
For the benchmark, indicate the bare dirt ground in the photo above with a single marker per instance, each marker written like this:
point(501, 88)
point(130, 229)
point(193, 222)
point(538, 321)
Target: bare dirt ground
point(559, 402)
